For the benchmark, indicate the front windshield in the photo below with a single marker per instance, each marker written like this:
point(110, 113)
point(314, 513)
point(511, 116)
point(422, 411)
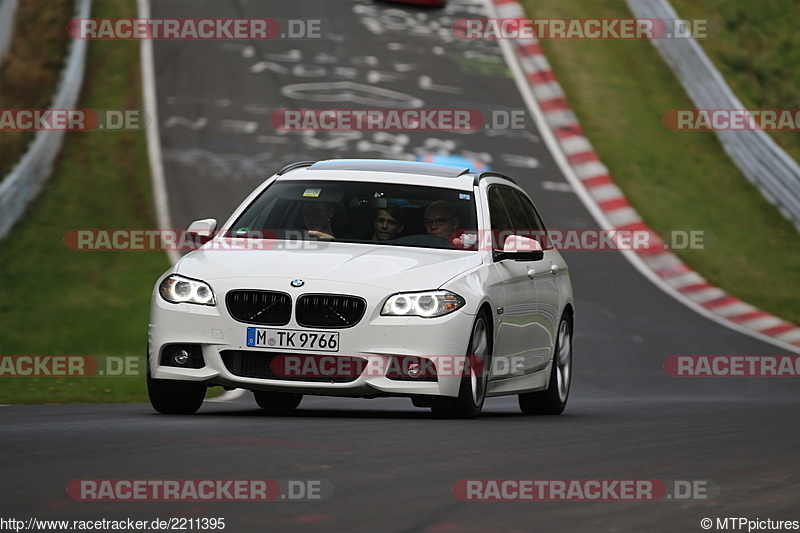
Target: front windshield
point(359, 212)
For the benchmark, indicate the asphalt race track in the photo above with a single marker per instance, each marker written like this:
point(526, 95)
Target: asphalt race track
point(393, 467)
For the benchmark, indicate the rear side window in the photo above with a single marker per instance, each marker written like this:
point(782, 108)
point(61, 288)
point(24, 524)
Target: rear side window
point(500, 219)
point(533, 220)
point(513, 213)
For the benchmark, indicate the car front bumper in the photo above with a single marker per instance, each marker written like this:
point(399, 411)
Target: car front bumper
point(375, 338)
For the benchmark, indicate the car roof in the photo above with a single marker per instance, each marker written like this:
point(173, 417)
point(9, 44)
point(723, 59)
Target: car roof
point(385, 171)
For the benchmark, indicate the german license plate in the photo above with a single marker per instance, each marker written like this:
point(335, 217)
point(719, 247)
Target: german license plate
point(291, 339)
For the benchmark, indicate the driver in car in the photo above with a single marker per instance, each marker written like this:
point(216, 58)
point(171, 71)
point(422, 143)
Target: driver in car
point(317, 218)
point(442, 221)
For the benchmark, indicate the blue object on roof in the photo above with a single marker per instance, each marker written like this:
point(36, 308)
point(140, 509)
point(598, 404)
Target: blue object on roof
point(388, 165)
point(456, 160)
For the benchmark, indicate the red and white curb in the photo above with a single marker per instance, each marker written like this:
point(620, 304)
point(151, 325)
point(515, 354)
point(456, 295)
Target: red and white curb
point(608, 204)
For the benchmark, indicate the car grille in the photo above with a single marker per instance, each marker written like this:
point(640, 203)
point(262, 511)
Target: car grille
point(260, 307)
point(265, 365)
point(329, 310)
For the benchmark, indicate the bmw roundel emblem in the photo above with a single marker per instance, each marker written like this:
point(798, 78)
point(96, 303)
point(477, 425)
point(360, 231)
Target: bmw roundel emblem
point(298, 283)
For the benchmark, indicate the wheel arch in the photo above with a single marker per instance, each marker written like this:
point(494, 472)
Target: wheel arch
point(487, 309)
point(569, 312)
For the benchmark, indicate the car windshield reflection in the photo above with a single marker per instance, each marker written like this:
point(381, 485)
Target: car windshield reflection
point(358, 212)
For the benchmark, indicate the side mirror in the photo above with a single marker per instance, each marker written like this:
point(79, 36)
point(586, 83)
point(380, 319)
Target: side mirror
point(202, 231)
point(519, 248)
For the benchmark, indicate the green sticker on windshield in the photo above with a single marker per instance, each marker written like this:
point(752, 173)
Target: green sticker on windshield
point(312, 193)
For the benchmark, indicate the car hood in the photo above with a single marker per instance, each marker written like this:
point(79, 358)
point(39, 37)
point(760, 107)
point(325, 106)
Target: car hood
point(380, 266)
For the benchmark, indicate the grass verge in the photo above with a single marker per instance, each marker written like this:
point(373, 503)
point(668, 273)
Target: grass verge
point(61, 302)
point(31, 68)
point(757, 50)
point(620, 91)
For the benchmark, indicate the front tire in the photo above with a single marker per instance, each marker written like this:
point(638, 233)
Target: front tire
point(175, 397)
point(472, 393)
point(277, 401)
point(553, 400)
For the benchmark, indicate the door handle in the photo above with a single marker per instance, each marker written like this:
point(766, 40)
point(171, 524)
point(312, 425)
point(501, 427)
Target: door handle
point(554, 269)
point(531, 273)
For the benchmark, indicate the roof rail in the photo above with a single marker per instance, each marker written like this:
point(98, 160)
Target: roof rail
point(292, 166)
point(488, 174)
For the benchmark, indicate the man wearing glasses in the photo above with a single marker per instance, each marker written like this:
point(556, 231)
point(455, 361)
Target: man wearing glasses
point(441, 219)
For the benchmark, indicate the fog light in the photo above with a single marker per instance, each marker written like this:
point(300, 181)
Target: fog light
point(181, 357)
point(411, 368)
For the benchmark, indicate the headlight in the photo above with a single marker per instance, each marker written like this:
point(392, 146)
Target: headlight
point(177, 289)
point(425, 304)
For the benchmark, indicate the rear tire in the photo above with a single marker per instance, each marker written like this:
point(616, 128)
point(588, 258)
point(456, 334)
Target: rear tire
point(277, 401)
point(175, 397)
point(472, 393)
point(553, 400)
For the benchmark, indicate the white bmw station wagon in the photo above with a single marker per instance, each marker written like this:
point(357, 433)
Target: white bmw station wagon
point(368, 278)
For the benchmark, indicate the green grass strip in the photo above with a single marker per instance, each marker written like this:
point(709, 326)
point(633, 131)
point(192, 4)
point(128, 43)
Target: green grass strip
point(55, 301)
point(757, 50)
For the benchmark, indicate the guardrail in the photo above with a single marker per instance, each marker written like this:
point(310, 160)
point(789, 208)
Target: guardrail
point(25, 181)
point(762, 161)
point(8, 9)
